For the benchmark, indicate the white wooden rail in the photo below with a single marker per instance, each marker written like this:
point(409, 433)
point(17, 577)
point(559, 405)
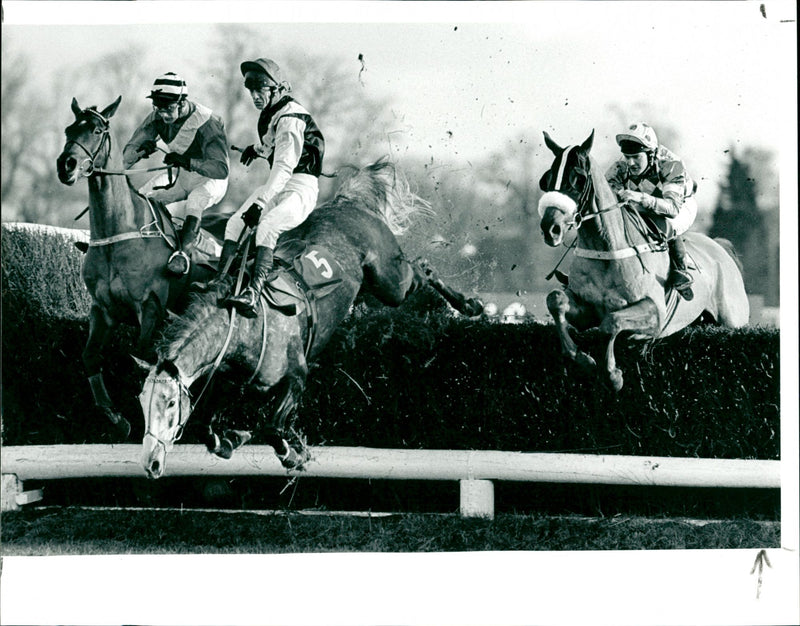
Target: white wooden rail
point(474, 469)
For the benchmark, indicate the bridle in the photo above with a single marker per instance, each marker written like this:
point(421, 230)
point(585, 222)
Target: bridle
point(105, 142)
point(183, 390)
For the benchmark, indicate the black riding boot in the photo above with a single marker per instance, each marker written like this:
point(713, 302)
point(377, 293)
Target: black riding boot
point(679, 278)
point(247, 301)
point(180, 261)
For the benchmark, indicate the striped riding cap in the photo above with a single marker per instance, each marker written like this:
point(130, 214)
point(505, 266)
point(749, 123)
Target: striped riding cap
point(168, 88)
point(270, 69)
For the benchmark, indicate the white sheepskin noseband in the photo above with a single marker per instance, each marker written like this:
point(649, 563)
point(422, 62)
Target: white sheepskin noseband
point(557, 200)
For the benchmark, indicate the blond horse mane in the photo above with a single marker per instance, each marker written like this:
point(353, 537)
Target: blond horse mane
point(383, 190)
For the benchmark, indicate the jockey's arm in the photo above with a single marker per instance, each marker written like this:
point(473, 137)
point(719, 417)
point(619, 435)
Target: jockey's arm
point(616, 176)
point(131, 152)
point(214, 160)
point(288, 150)
point(672, 191)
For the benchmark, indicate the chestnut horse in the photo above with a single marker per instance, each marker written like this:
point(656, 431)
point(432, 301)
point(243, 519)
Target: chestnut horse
point(130, 243)
point(618, 276)
point(344, 246)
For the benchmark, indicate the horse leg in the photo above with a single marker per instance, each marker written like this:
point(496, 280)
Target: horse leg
point(641, 317)
point(293, 386)
point(466, 306)
point(151, 317)
point(99, 332)
point(566, 311)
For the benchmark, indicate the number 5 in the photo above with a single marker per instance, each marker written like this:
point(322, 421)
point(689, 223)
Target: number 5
point(327, 272)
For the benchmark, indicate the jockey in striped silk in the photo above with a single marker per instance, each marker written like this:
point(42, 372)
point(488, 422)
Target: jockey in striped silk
point(196, 143)
point(293, 145)
point(654, 181)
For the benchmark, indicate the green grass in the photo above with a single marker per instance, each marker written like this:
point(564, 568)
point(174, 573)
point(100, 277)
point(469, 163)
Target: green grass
point(58, 531)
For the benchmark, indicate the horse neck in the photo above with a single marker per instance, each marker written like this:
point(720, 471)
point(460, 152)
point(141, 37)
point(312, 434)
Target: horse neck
point(112, 209)
point(201, 339)
point(606, 230)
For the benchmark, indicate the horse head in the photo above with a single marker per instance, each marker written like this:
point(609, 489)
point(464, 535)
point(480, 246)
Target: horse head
point(88, 142)
point(167, 405)
point(566, 185)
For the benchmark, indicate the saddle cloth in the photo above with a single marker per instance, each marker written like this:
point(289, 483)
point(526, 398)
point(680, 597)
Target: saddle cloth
point(302, 278)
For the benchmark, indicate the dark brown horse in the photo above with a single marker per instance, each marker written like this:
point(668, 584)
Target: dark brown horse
point(617, 279)
point(345, 245)
point(130, 243)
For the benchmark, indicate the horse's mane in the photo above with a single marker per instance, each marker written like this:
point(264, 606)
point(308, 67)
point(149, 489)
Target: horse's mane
point(180, 330)
point(381, 189)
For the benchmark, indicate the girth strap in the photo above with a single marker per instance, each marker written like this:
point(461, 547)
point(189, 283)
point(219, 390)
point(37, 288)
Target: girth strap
point(622, 253)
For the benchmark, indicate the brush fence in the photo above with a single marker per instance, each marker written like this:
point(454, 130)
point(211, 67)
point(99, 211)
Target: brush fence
point(474, 469)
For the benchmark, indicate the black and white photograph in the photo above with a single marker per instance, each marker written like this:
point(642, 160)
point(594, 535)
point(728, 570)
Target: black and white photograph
point(399, 312)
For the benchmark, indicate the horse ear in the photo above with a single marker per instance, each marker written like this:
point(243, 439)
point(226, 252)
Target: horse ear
point(554, 147)
point(76, 109)
point(587, 145)
point(142, 363)
point(109, 111)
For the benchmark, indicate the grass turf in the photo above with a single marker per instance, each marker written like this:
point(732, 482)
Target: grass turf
point(89, 531)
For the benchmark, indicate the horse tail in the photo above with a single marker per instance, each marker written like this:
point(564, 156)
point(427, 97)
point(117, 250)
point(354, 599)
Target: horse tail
point(383, 190)
point(728, 247)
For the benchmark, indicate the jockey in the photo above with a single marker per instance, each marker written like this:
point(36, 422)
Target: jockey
point(196, 143)
point(293, 146)
point(654, 181)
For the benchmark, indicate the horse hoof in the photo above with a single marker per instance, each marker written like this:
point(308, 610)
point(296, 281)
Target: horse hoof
point(615, 378)
point(474, 307)
point(237, 438)
point(293, 459)
point(122, 427)
point(225, 449)
point(585, 361)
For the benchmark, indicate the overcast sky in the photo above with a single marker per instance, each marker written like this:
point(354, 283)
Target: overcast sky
point(467, 78)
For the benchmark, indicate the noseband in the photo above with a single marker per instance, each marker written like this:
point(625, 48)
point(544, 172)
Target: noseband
point(105, 141)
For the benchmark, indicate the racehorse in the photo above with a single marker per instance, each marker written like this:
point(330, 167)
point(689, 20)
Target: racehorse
point(618, 276)
point(345, 245)
point(130, 243)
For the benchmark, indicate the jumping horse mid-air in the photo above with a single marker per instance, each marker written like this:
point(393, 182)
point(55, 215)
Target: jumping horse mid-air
point(345, 245)
point(130, 241)
point(618, 276)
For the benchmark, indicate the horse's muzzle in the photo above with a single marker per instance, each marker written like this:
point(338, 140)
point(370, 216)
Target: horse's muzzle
point(67, 168)
point(154, 457)
point(552, 231)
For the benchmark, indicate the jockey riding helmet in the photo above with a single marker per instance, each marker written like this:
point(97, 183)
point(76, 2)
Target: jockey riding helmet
point(167, 89)
point(640, 137)
point(268, 68)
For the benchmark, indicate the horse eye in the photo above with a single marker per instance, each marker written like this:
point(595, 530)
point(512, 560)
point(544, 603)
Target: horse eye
point(98, 131)
point(171, 404)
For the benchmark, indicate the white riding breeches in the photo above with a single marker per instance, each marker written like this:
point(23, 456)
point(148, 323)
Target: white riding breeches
point(685, 217)
point(190, 195)
point(289, 208)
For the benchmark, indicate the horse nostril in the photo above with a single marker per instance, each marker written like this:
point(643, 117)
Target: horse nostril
point(555, 230)
point(71, 163)
point(155, 467)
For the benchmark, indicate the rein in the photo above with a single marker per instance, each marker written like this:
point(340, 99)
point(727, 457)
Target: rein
point(581, 216)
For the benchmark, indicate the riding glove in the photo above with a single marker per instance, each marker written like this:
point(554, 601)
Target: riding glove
point(147, 148)
point(178, 160)
point(249, 155)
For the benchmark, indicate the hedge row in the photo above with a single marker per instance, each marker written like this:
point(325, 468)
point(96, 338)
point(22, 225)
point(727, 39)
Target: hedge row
point(416, 378)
